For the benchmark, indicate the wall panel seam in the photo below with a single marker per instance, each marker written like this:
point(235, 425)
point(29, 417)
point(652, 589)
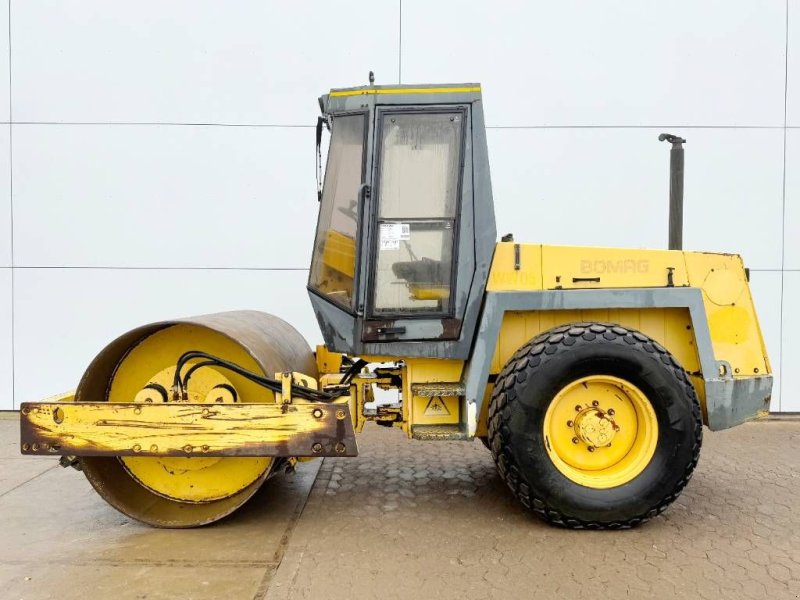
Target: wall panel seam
point(150, 268)
point(165, 124)
point(304, 126)
point(11, 210)
point(400, 44)
point(783, 206)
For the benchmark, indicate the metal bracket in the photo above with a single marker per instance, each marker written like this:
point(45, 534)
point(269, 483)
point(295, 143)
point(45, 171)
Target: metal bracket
point(77, 429)
point(286, 387)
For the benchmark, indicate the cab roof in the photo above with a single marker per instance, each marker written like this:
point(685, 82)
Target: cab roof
point(343, 99)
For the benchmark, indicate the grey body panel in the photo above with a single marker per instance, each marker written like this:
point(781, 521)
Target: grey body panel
point(433, 337)
point(729, 400)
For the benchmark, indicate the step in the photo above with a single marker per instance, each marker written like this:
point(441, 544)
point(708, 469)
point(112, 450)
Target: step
point(441, 389)
point(439, 432)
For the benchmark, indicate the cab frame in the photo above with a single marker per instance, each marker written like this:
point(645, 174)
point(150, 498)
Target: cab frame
point(360, 329)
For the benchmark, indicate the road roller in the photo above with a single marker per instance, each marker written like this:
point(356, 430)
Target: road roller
point(588, 373)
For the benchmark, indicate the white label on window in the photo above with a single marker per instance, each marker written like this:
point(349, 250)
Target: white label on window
point(394, 232)
point(390, 244)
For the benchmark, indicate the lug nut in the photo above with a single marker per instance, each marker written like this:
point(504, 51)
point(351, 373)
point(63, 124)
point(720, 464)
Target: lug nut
point(570, 423)
point(595, 403)
point(591, 448)
point(575, 440)
point(578, 408)
point(611, 411)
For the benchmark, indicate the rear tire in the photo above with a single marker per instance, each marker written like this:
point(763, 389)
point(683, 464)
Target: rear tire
point(579, 481)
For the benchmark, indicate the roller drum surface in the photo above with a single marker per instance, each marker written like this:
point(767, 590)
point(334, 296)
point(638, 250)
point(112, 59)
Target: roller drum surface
point(181, 491)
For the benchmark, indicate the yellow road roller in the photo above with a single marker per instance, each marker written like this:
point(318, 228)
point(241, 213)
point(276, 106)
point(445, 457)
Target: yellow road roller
point(587, 372)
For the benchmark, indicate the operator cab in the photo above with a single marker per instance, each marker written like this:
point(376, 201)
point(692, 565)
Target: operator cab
point(406, 231)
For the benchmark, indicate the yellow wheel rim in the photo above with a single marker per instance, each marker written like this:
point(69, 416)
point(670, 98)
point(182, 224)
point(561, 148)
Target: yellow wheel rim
point(196, 479)
point(600, 431)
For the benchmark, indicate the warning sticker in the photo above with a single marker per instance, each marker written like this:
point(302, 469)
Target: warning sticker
point(436, 408)
point(394, 232)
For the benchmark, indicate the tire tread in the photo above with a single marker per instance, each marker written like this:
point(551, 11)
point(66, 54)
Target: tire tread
point(503, 405)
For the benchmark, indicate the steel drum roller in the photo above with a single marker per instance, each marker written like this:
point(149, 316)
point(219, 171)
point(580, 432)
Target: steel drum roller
point(139, 366)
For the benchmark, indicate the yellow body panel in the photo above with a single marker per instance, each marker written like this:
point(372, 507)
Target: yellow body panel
point(670, 327)
point(430, 410)
point(575, 267)
point(567, 267)
point(735, 334)
point(436, 410)
point(505, 277)
point(327, 361)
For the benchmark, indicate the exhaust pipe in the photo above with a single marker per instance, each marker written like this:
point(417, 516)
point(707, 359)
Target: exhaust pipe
point(675, 190)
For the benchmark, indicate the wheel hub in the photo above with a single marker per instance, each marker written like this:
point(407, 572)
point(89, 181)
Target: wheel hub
point(594, 427)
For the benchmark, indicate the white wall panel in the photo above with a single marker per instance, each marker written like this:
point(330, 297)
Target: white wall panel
point(625, 62)
point(791, 255)
point(206, 199)
point(6, 370)
point(793, 66)
point(610, 187)
point(158, 196)
point(5, 110)
point(734, 193)
point(64, 317)
point(194, 61)
point(599, 187)
point(765, 287)
point(5, 197)
point(791, 344)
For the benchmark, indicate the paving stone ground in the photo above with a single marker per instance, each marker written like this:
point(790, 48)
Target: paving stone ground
point(413, 519)
point(409, 519)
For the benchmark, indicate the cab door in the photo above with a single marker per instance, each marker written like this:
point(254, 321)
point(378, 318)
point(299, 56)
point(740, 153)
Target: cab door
point(416, 211)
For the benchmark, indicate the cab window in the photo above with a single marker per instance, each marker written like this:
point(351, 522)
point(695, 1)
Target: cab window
point(418, 187)
point(333, 261)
